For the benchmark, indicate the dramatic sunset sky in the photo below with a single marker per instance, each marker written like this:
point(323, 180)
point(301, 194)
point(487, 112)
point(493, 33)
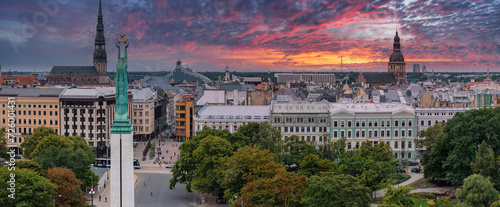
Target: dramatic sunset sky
point(254, 35)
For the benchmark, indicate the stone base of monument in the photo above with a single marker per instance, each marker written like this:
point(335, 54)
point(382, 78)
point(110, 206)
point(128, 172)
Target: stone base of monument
point(122, 170)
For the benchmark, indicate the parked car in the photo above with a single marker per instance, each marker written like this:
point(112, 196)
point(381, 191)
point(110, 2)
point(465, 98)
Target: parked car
point(401, 170)
point(169, 166)
point(416, 170)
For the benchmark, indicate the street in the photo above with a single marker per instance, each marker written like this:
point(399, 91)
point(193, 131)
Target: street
point(162, 195)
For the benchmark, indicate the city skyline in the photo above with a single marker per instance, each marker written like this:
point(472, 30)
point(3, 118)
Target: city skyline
point(282, 36)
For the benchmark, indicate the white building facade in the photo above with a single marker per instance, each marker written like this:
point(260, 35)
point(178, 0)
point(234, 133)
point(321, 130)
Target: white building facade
point(229, 117)
point(392, 123)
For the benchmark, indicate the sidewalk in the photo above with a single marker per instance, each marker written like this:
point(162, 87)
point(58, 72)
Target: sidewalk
point(414, 177)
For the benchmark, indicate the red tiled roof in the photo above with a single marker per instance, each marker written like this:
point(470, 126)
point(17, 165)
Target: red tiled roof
point(22, 79)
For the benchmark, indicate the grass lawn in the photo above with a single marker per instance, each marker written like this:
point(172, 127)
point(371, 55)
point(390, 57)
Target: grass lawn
point(419, 201)
point(423, 183)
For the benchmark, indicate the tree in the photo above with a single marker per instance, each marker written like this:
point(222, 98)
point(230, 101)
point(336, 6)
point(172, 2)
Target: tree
point(30, 143)
point(335, 190)
point(32, 165)
point(438, 147)
point(466, 131)
point(333, 150)
point(210, 156)
point(477, 191)
point(311, 165)
point(246, 165)
point(3, 142)
point(30, 188)
point(485, 164)
point(184, 169)
point(68, 186)
point(496, 203)
point(263, 136)
point(285, 189)
point(371, 163)
point(397, 197)
point(76, 160)
point(297, 149)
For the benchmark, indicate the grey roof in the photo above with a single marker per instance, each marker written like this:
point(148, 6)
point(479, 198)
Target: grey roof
point(180, 74)
point(31, 92)
point(373, 77)
point(162, 83)
point(75, 70)
point(236, 86)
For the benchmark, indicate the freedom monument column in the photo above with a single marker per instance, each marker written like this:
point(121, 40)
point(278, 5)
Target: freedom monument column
point(122, 153)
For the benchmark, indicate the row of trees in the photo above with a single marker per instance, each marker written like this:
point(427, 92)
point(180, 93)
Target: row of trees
point(58, 165)
point(250, 164)
point(468, 144)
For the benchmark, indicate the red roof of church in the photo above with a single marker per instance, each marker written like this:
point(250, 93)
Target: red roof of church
point(22, 80)
point(476, 83)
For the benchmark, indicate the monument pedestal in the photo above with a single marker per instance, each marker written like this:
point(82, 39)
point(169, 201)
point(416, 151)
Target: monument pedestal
point(122, 170)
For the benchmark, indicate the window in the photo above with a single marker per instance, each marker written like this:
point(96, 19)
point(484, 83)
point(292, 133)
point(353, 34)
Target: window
point(349, 133)
point(363, 124)
point(342, 133)
point(335, 123)
point(402, 145)
point(396, 134)
point(375, 123)
point(388, 133)
point(409, 123)
point(409, 155)
point(403, 133)
point(429, 123)
point(375, 133)
point(403, 123)
point(308, 129)
point(369, 123)
point(388, 123)
point(285, 129)
point(370, 133)
point(335, 134)
point(302, 129)
point(313, 129)
point(357, 123)
point(396, 123)
point(382, 123)
point(382, 133)
point(395, 145)
point(349, 124)
point(357, 133)
point(409, 144)
point(357, 145)
point(409, 133)
point(342, 124)
point(422, 123)
point(349, 145)
point(363, 133)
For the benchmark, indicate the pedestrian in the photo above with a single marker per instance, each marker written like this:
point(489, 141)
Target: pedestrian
point(151, 192)
point(144, 183)
point(99, 198)
point(105, 198)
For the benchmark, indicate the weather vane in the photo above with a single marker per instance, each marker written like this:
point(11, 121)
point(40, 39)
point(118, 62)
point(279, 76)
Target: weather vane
point(122, 39)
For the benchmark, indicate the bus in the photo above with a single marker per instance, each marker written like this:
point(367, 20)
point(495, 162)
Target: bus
point(102, 162)
point(137, 164)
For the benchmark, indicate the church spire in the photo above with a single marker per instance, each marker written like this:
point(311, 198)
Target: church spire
point(100, 59)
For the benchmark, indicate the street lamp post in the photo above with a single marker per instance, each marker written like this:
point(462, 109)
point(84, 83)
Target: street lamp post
point(54, 199)
point(92, 192)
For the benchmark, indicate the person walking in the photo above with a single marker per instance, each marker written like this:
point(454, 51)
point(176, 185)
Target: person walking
point(144, 183)
point(105, 198)
point(151, 192)
point(99, 198)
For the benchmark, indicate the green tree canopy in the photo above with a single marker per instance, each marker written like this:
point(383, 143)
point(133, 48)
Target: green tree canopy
point(3, 142)
point(31, 189)
point(477, 191)
point(284, 189)
point(210, 156)
point(32, 165)
point(297, 149)
point(329, 190)
point(264, 136)
point(397, 197)
point(30, 143)
point(451, 150)
point(311, 165)
point(184, 169)
point(246, 165)
point(437, 143)
point(485, 164)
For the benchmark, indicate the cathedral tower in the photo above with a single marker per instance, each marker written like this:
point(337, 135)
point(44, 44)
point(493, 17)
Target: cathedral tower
point(397, 65)
point(100, 59)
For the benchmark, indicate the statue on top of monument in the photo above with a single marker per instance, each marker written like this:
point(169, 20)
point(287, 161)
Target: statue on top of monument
point(121, 81)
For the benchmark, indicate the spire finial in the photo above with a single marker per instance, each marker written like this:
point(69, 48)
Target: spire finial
point(100, 8)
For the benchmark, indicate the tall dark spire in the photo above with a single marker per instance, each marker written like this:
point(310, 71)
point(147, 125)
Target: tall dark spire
point(100, 59)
